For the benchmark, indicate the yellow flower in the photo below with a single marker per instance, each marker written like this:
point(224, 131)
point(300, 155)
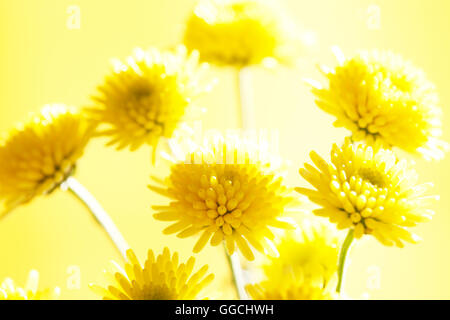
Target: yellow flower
point(380, 97)
point(312, 252)
point(368, 190)
point(40, 154)
point(226, 193)
point(146, 97)
point(161, 278)
point(287, 287)
point(9, 290)
point(238, 32)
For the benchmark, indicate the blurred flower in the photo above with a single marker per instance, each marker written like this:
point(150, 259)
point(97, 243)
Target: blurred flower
point(239, 33)
point(226, 192)
point(380, 97)
point(145, 98)
point(285, 286)
point(9, 291)
point(368, 190)
point(311, 252)
point(161, 278)
point(39, 155)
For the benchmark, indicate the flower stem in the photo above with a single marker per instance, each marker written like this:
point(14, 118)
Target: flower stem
point(236, 273)
point(245, 110)
point(342, 256)
point(98, 213)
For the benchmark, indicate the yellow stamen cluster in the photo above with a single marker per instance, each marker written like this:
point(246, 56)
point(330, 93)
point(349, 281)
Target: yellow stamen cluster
point(146, 97)
point(39, 155)
point(9, 290)
point(224, 199)
point(237, 32)
point(368, 190)
point(381, 98)
point(162, 278)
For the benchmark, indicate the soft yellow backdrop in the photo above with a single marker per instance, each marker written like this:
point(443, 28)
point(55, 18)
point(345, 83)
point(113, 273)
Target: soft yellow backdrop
point(43, 61)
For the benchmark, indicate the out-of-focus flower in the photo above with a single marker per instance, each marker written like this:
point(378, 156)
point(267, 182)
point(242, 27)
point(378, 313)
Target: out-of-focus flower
point(239, 33)
point(146, 97)
point(285, 286)
point(39, 155)
point(311, 252)
point(161, 278)
point(9, 290)
point(226, 192)
point(380, 97)
point(368, 190)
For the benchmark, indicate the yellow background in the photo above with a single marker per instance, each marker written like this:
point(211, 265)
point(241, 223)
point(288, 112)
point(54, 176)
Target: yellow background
point(42, 61)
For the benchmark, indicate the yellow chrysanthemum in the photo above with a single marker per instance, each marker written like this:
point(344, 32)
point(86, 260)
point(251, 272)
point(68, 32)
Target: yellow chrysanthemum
point(312, 252)
point(9, 290)
point(145, 98)
point(380, 97)
point(38, 156)
point(287, 287)
point(227, 194)
point(368, 190)
point(161, 278)
point(238, 32)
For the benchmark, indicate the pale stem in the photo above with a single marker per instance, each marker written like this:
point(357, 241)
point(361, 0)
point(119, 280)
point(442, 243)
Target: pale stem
point(245, 112)
point(98, 212)
point(236, 273)
point(342, 257)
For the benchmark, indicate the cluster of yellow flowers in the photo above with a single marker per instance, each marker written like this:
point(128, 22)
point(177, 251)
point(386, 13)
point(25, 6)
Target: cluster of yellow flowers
point(222, 191)
point(387, 104)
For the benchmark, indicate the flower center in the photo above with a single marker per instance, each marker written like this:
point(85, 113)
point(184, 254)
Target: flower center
point(141, 92)
point(142, 107)
point(158, 292)
point(375, 177)
point(223, 199)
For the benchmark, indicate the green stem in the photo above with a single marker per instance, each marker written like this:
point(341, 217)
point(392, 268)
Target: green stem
point(236, 274)
point(342, 256)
